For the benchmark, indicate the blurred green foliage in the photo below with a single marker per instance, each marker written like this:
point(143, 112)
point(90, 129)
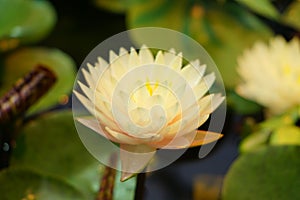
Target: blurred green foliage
point(268, 173)
point(24, 22)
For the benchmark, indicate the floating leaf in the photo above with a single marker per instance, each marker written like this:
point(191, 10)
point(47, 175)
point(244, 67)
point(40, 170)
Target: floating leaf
point(219, 26)
point(24, 21)
point(25, 184)
point(270, 173)
point(51, 144)
point(262, 7)
point(24, 60)
point(286, 135)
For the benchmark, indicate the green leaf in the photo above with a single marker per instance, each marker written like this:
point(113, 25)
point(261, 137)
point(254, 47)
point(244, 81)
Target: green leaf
point(24, 21)
point(262, 7)
point(51, 144)
point(23, 183)
point(270, 173)
point(241, 105)
point(219, 27)
point(255, 141)
point(292, 15)
point(20, 62)
point(286, 135)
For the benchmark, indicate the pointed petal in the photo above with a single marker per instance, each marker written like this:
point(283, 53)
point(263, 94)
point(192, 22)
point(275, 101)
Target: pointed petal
point(122, 51)
point(203, 87)
point(146, 57)
point(88, 78)
point(169, 56)
point(93, 124)
point(101, 66)
point(134, 159)
point(85, 102)
point(134, 59)
point(112, 56)
point(193, 73)
point(87, 91)
point(195, 138)
point(93, 72)
point(159, 59)
point(176, 63)
point(205, 137)
point(209, 103)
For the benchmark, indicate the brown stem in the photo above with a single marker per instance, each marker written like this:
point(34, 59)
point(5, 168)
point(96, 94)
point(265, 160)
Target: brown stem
point(107, 183)
point(14, 104)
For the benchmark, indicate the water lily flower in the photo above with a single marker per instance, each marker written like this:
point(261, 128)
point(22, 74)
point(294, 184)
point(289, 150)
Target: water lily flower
point(160, 104)
point(271, 74)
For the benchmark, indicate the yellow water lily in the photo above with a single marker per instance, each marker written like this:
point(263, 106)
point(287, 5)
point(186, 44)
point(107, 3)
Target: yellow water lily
point(145, 102)
point(271, 74)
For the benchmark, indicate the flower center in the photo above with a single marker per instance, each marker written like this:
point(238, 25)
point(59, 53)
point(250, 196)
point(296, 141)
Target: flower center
point(151, 87)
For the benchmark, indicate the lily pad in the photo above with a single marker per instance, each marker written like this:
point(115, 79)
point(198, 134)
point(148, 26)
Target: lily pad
point(20, 62)
point(270, 173)
point(219, 26)
point(24, 21)
point(24, 183)
point(51, 144)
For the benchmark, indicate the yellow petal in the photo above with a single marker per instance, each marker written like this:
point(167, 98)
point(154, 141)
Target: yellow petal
point(134, 159)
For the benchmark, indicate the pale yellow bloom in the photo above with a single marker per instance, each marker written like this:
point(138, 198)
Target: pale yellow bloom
point(271, 74)
point(151, 109)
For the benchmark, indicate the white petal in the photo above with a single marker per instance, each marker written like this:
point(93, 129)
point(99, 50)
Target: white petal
point(122, 51)
point(89, 79)
point(169, 56)
point(93, 72)
point(146, 57)
point(205, 84)
point(176, 63)
point(134, 59)
point(112, 56)
point(87, 91)
point(159, 59)
point(122, 138)
point(209, 103)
